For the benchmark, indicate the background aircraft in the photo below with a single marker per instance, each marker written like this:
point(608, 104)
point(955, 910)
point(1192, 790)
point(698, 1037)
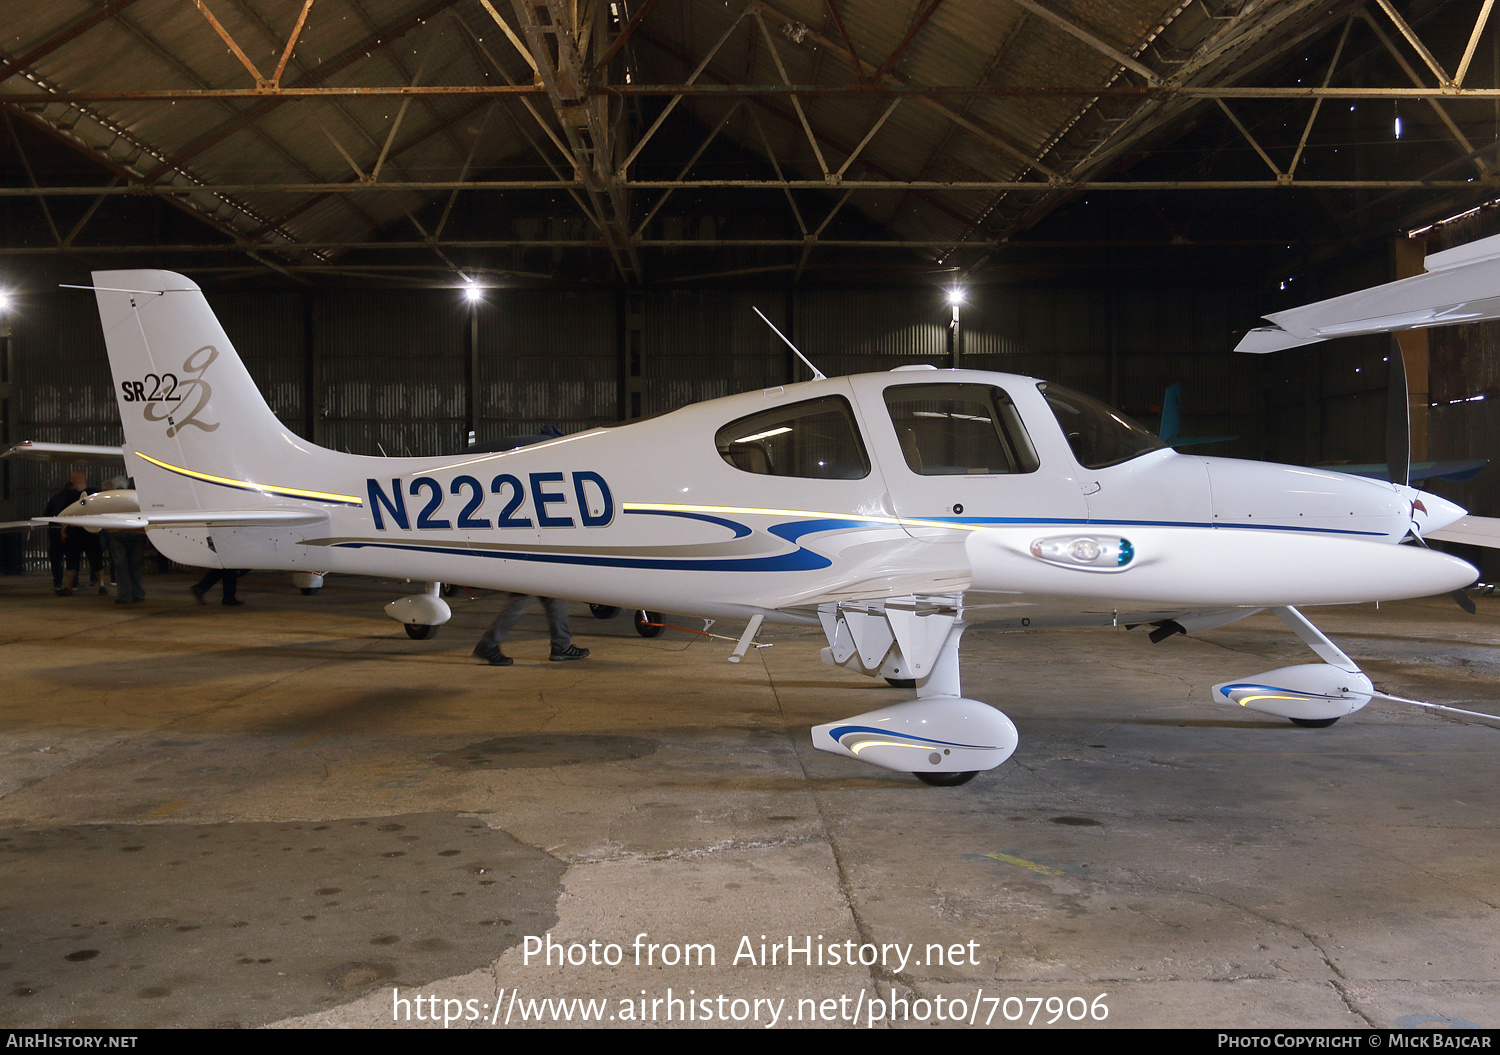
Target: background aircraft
point(891, 509)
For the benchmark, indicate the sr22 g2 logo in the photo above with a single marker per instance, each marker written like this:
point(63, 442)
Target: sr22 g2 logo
point(551, 506)
point(172, 398)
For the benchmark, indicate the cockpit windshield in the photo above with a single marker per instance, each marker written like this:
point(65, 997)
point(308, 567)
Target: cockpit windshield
point(1100, 435)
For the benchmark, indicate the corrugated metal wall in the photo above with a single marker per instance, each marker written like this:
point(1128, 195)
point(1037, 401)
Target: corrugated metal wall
point(546, 358)
point(61, 392)
point(703, 344)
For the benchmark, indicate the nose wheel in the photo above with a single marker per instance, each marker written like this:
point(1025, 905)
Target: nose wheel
point(648, 624)
point(947, 780)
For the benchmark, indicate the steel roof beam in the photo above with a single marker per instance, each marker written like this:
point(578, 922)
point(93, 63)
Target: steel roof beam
point(173, 190)
point(554, 44)
point(1079, 33)
point(380, 38)
point(1165, 92)
point(57, 40)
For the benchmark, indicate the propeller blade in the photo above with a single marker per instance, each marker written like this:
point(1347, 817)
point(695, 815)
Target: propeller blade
point(1397, 420)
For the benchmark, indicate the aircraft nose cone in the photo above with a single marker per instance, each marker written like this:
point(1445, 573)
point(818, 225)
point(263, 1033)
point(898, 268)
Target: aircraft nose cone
point(1430, 512)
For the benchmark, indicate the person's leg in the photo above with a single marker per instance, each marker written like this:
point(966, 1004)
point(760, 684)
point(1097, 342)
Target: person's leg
point(562, 638)
point(120, 558)
point(94, 551)
point(557, 622)
point(134, 568)
point(231, 587)
point(72, 556)
point(55, 551)
point(510, 615)
point(207, 583)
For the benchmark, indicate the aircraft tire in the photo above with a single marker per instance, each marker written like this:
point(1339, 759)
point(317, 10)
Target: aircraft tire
point(1313, 723)
point(420, 631)
point(308, 591)
point(946, 780)
point(901, 683)
point(604, 611)
point(644, 621)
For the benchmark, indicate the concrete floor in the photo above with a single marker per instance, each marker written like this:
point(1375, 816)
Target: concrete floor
point(282, 813)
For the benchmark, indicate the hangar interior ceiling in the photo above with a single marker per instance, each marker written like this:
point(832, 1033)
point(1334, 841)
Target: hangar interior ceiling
point(1123, 185)
point(652, 141)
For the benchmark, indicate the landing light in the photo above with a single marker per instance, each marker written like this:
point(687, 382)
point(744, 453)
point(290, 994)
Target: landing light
point(1098, 552)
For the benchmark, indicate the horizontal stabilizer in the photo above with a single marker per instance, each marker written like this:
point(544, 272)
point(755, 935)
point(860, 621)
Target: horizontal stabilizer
point(1471, 531)
point(271, 518)
point(65, 453)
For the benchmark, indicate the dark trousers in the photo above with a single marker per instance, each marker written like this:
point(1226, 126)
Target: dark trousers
point(55, 556)
point(127, 549)
point(80, 543)
point(515, 607)
point(231, 579)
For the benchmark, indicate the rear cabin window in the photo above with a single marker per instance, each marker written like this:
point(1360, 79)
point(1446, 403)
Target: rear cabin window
point(959, 430)
point(816, 440)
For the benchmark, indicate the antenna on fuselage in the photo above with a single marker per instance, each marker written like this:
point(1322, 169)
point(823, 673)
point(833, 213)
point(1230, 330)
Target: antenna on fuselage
point(818, 375)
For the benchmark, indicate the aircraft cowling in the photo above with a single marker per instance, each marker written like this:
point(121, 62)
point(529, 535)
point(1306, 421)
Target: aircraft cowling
point(1298, 498)
point(1307, 692)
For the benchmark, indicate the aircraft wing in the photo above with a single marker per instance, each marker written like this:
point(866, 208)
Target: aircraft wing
point(1457, 471)
point(64, 453)
point(1473, 531)
point(1191, 568)
point(1459, 286)
point(270, 518)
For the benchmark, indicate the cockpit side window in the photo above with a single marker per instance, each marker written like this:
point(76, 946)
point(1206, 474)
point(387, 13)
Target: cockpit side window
point(815, 440)
point(959, 430)
point(1099, 435)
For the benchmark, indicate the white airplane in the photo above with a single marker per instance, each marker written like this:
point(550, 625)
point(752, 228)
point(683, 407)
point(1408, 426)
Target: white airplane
point(893, 510)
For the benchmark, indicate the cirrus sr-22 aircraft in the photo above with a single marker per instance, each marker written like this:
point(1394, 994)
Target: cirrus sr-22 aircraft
point(891, 509)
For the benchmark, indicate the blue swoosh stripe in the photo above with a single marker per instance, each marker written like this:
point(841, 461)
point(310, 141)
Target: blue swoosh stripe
point(798, 560)
point(838, 734)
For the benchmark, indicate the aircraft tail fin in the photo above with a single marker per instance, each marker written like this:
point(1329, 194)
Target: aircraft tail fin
point(1171, 413)
point(198, 434)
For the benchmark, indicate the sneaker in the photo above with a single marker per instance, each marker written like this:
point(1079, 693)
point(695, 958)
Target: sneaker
point(559, 655)
point(232, 602)
point(103, 591)
point(198, 595)
point(498, 659)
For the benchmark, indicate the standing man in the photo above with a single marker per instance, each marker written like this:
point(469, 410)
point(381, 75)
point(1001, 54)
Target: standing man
point(563, 648)
point(55, 546)
point(77, 542)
